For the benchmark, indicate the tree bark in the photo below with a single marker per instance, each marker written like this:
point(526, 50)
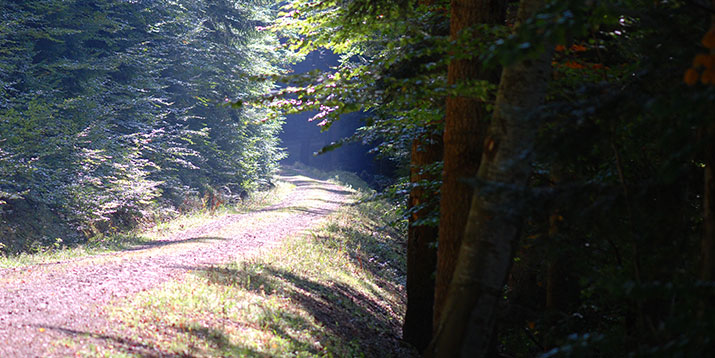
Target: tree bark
point(465, 124)
point(421, 246)
point(494, 220)
point(422, 239)
point(707, 269)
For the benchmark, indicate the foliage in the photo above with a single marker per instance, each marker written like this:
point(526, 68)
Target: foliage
point(392, 68)
point(107, 107)
point(612, 240)
point(609, 256)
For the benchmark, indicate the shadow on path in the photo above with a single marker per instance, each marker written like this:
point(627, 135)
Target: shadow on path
point(160, 243)
point(127, 345)
point(210, 336)
point(350, 316)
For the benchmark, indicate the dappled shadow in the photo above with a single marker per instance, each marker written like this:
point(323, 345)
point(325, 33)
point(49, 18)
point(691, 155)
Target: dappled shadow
point(302, 209)
point(373, 255)
point(317, 185)
point(320, 186)
point(347, 313)
point(304, 183)
point(160, 243)
point(334, 202)
point(212, 336)
point(217, 337)
point(127, 345)
point(336, 191)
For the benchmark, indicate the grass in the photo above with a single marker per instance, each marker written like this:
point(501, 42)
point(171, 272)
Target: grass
point(102, 244)
point(338, 291)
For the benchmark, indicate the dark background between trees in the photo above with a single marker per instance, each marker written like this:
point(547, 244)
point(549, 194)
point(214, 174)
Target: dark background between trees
point(557, 155)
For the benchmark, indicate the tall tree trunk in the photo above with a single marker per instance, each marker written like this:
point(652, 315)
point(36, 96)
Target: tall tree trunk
point(494, 221)
point(465, 123)
point(422, 239)
point(421, 245)
point(707, 271)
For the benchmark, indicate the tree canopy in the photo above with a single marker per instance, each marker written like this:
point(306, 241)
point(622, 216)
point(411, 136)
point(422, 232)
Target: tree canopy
point(110, 107)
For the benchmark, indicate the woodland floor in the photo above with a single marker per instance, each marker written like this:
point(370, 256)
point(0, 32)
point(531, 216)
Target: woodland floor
point(41, 304)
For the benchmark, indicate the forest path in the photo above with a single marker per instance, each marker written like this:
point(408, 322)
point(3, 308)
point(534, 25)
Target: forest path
point(40, 304)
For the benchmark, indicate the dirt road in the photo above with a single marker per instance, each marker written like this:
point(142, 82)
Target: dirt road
point(43, 303)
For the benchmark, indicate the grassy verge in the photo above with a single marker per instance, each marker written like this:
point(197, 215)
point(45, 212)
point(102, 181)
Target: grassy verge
point(122, 241)
point(337, 291)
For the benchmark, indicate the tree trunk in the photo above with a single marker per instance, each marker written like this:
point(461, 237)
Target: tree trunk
point(707, 271)
point(422, 239)
point(421, 246)
point(465, 122)
point(494, 221)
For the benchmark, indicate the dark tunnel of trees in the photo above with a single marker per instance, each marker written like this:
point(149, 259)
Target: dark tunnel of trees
point(304, 140)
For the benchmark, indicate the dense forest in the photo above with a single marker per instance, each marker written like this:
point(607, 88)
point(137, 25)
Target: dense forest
point(110, 113)
point(554, 158)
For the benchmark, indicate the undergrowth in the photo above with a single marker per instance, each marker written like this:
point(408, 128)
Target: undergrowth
point(338, 291)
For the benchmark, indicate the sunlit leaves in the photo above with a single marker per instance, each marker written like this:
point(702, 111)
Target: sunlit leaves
point(106, 105)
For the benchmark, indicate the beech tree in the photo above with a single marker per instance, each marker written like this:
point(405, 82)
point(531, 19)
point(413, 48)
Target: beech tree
point(495, 220)
point(422, 241)
point(406, 110)
point(464, 130)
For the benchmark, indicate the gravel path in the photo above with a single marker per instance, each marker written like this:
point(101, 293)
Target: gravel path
point(42, 303)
